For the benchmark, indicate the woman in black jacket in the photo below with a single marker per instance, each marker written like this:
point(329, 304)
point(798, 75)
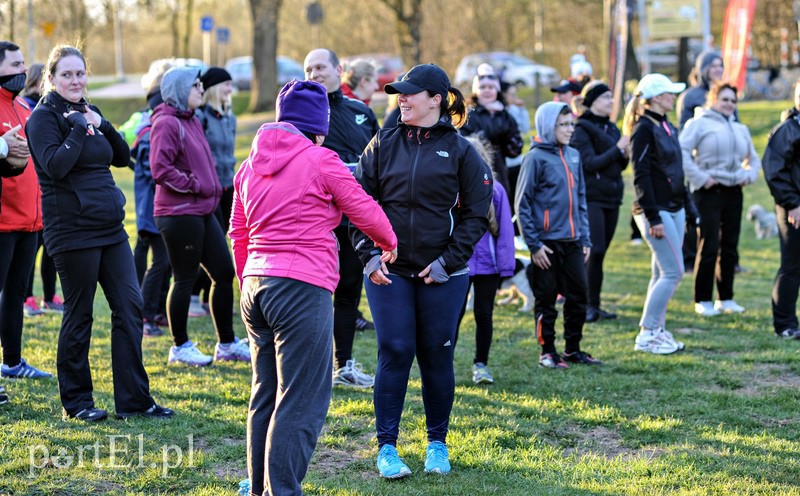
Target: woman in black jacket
point(72, 147)
point(660, 202)
point(489, 119)
point(436, 192)
point(604, 155)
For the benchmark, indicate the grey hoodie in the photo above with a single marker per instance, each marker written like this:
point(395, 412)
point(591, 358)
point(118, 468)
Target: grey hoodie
point(176, 85)
point(551, 195)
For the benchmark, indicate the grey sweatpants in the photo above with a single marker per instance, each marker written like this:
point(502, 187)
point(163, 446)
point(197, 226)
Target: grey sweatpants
point(290, 327)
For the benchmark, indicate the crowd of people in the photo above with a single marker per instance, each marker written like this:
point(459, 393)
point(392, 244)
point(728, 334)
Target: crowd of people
point(328, 205)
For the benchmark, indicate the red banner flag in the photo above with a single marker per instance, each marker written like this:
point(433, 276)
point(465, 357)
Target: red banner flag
point(736, 40)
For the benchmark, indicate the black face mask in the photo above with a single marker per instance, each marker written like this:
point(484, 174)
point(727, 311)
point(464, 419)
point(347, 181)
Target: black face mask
point(13, 83)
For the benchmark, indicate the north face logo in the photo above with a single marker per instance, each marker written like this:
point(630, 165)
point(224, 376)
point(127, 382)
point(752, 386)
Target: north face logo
point(361, 119)
point(442, 153)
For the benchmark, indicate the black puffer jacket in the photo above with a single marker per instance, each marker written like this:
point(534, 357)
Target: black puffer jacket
point(499, 129)
point(657, 167)
point(596, 139)
point(435, 190)
point(781, 162)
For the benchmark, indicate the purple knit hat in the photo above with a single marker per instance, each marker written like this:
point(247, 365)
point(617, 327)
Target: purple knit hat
point(304, 104)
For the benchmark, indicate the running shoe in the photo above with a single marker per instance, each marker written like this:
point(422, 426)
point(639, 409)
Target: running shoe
point(238, 350)
point(437, 459)
point(31, 308)
point(23, 371)
point(389, 463)
point(188, 354)
point(481, 374)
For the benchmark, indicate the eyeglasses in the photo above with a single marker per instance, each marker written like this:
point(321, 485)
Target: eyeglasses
point(198, 86)
point(566, 124)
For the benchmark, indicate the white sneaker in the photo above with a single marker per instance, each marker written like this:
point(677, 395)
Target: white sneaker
point(188, 354)
point(196, 308)
point(706, 309)
point(238, 350)
point(668, 335)
point(352, 375)
point(728, 306)
point(655, 341)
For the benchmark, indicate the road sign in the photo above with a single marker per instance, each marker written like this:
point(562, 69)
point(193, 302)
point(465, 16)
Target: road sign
point(206, 24)
point(223, 35)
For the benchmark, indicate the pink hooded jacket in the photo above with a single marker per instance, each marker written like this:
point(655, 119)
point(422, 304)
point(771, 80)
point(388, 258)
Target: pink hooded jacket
point(289, 195)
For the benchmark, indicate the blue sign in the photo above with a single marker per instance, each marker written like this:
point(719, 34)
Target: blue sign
point(206, 24)
point(223, 35)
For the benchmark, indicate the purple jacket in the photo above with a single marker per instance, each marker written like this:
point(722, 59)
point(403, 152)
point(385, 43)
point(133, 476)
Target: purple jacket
point(182, 165)
point(496, 255)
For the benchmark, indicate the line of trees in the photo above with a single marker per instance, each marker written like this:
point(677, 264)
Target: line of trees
point(548, 31)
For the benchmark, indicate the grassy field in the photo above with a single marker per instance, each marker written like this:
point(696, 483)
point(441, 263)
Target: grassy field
point(719, 418)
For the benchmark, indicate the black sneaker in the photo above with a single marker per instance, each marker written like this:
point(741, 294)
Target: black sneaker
point(606, 315)
point(363, 324)
point(3, 396)
point(582, 358)
point(90, 414)
point(155, 411)
point(592, 314)
point(791, 333)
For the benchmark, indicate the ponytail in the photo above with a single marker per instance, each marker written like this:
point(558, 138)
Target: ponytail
point(632, 113)
point(455, 106)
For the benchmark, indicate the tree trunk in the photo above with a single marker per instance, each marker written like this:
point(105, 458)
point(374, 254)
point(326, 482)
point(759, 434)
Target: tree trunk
point(265, 50)
point(188, 31)
point(408, 28)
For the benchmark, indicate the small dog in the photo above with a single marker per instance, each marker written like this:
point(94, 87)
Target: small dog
point(517, 288)
point(514, 289)
point(764, 222)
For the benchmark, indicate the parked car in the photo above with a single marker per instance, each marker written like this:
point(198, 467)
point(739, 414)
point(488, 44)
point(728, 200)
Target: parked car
point(241, 70)
point(388, 66)
point(160, 66)
point(512, 68)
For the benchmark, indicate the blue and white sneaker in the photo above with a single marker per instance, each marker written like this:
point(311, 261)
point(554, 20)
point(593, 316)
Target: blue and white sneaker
point(238, 350)
point(23, 371)
point(244, 488)
point(390, 465)
point(188, 354)
point(437, 459)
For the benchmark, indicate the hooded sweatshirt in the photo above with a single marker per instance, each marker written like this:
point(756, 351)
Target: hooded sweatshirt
point(180, 158)
point(696, 95)
point(289, 195)
point(551, 196)
point(717, 146)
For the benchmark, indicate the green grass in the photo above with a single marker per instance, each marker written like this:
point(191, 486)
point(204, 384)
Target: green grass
point(720, 418)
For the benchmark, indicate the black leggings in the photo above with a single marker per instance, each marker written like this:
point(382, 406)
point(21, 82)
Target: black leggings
point(485, 291)
point(193, 242)
point(223, 214)
point(602, 224)
point(48, 271)
point(153, 280)
point(17, 252)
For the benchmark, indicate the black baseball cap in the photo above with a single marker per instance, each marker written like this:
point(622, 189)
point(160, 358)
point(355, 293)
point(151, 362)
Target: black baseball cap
point(422, 77)
point(567, 86)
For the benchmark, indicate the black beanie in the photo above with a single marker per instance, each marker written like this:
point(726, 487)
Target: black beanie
point(214, 76)
point(592, 91)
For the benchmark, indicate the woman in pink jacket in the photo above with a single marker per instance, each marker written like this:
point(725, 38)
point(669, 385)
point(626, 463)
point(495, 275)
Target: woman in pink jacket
point(289, 195)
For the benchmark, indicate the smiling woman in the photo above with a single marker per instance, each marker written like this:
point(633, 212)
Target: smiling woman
point(73, 147)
